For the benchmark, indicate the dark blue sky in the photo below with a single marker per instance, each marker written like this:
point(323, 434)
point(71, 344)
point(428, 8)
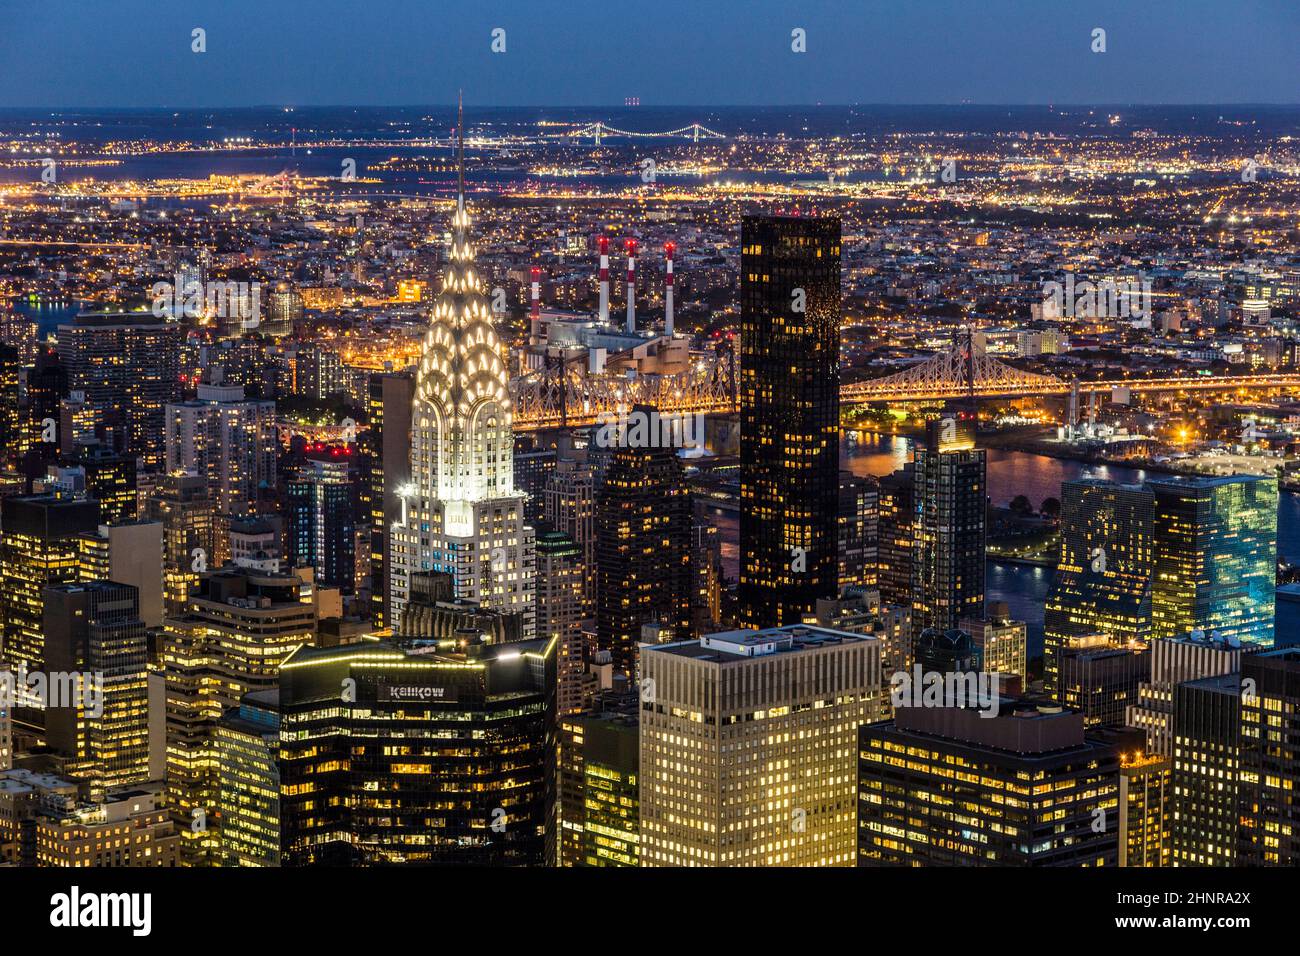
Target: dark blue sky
point(63, 53)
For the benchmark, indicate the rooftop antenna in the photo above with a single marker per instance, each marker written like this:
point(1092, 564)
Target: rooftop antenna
point(460, 150)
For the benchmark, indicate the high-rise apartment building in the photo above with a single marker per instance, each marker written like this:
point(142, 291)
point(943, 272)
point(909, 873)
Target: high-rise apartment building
point(1146, 793)
point(128, 367)
point(228, 440)
point(110, 480)
point(388, 440)
point(894, 535)
point(129, 553)
point(1000, 640)
point(643, 551)
point(858, 531)
point(789, 416)
point(183, 504)
point(569, 505)
point(1102, 583)
point(321, 505)
point(238, 627)
point(950, 502)
point(94, 631)
point(561, 588)
point(38, 549)
point(748, 747)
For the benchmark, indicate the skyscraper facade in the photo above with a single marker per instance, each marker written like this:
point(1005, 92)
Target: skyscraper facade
point(1216, 557)
point(951, 786)
point(94, 630)
point(38, 549)
point(230, 441)
point(561, 583)
point(789, 416)
point(894, 535)
point(1102, 583)
point(321, 505)
point(643, 551)
point(388, 440)
point(238, 626)
point(747, 747)
point(1207, 771)
point(413, 754)
point(1270, 759)
point(949, 502)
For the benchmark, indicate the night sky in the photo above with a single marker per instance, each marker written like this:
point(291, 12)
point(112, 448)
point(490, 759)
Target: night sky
point(136, 53)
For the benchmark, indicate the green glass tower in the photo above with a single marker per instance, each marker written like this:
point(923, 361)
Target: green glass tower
point(1216, 557)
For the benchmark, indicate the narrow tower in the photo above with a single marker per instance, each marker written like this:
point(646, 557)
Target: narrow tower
point(669, 249)
point(631, 286)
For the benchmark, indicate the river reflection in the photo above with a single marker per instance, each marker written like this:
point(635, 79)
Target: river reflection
point(1012, 473)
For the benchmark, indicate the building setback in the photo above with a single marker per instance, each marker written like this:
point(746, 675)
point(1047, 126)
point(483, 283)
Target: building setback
point(948, 786)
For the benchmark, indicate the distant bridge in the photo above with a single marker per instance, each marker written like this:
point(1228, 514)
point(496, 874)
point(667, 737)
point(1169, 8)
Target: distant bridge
point(599, 130)
point(966, 372)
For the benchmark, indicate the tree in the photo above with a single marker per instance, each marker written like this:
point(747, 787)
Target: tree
point(1021, 506)
point(1051, 508)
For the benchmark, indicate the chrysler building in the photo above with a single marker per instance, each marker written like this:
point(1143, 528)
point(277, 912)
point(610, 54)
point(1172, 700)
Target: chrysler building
point(460, 513)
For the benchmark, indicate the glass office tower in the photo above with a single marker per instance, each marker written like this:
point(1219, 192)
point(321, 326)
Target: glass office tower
point(1216, 557)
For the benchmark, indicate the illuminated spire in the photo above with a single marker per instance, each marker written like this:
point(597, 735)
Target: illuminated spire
point(460, 150)
point(462, 445)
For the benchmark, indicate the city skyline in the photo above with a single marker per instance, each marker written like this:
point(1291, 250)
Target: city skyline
point(511, 493)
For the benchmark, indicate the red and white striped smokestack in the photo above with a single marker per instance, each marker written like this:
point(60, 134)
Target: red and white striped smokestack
point(535, 313)
point(631, 286)
point(669, 248)
point(604, 280)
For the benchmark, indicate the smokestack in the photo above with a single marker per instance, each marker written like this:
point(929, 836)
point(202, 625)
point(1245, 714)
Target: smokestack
point(631, 286)
point(604, 280)
point(535, 315)
point(668, 290)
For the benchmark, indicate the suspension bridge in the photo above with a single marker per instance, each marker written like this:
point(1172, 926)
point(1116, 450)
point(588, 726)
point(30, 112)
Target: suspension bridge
point(599, 130)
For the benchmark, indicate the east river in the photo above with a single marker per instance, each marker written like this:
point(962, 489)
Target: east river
point(1011, 473)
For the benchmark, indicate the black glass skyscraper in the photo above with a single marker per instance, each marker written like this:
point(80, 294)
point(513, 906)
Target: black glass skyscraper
point(789, 416)
point(949, 527)
point(643, 550)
